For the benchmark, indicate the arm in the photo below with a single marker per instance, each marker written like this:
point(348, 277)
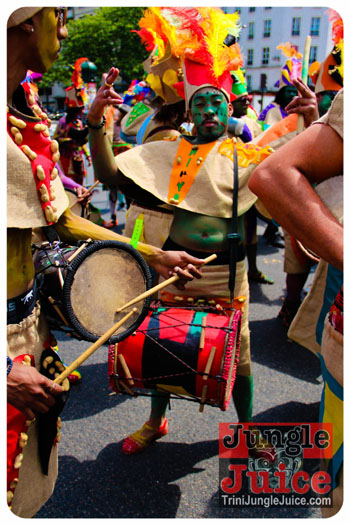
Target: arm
point(71, 228)
point(283, 182)
point(100, 147)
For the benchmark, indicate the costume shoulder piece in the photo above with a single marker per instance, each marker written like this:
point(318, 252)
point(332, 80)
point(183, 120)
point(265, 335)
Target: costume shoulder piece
point(194, 177)
point(35, 194)
point(133, 120)
point(334, 117)
point(279, 133)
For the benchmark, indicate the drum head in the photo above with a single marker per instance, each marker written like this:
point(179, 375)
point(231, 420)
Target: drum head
point(74, 205)
point(103, 277)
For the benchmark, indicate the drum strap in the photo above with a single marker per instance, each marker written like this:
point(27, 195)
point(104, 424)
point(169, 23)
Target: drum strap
point(234, 237)
point(50, 233)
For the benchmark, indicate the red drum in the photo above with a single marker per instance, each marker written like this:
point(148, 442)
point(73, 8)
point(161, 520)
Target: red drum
point(165, 354)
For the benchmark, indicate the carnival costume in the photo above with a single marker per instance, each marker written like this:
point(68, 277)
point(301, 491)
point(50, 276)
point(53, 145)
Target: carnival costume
point(71, 132)
point(292, 69)
point(35, 199)
point(199, 178)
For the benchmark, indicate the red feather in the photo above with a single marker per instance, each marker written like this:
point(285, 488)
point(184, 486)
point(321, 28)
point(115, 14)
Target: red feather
point(146, 38)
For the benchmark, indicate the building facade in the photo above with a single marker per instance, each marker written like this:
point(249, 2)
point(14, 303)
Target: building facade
point(265, 28)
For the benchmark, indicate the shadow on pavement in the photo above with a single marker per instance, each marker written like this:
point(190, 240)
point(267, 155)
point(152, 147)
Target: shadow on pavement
point(271, 347)
point(144, 486)
point(117, 486)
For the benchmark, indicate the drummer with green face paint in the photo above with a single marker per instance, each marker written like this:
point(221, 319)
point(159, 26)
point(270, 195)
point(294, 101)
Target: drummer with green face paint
point(194, 174)
point(210, 112)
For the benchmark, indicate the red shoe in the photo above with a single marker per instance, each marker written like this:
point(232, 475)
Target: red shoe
point(137, 442)
point(111, 224)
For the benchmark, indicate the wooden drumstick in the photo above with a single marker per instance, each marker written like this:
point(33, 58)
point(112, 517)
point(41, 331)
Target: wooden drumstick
point(304, 75)
point(160, 286)
point(94, 185)
point(125, 369)
point(203, 398)
point(127, 388)
point(95, 346)
point(209, 363)
point(202, 336)
point(54, 305)
point(60, 276)
point(80, 249)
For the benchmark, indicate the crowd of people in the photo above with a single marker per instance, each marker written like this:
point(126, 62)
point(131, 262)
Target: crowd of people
point(220, 167)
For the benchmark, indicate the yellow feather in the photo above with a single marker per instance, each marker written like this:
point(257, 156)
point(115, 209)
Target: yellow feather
point(217, 25)
point(289, 51)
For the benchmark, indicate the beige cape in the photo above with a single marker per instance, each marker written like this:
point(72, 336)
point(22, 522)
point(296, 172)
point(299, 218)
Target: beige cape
point(150, 166)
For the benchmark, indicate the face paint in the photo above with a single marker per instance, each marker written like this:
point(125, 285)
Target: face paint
point(209, 113)
point(324, 101)
point(287, 94)
point(50, 32)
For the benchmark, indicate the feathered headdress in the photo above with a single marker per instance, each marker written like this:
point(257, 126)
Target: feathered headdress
point(208, 47)
point(158, 32)
point(136, 92)
point(328, 76)
point(239, 85)
point(293, 66)
point(201, 41)
point(76, 95)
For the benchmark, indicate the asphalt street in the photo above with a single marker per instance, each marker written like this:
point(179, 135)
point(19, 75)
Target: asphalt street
point(178, 476)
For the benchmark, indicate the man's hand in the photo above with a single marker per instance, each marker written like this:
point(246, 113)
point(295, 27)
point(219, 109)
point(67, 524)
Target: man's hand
point(29, 391)
point(104, 97)
point(169, 263)
point(304, 104)
point(84, 195)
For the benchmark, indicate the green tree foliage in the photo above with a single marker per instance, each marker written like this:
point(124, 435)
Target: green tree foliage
point(107, 40)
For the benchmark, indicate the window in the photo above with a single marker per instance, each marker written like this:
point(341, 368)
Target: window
point(268, 8)
point(249, 83)
point(313, 54)
point(266, 55)
point(263, 81)
point(267, 28)
point(251, 9)
point(296, 26)
point(250, 57)
point(315, 26)
point(251, 30)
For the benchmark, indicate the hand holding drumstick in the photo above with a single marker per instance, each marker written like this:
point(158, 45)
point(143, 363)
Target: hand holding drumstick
point(107, 335)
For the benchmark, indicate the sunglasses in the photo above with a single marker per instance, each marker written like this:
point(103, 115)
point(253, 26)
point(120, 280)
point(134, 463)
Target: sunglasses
point(61, 14)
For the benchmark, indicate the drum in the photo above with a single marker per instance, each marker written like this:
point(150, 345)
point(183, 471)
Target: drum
point(75, 206)
point(81, 288)
point(192, 354)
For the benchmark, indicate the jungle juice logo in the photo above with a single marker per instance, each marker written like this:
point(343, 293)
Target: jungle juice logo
point(274, 464)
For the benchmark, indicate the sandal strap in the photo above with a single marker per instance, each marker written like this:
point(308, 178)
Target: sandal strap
point(139, 438)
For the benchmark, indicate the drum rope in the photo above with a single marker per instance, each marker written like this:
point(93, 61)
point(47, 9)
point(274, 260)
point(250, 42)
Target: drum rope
point(172, 395)
point(57, 247)
point(146, 334)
